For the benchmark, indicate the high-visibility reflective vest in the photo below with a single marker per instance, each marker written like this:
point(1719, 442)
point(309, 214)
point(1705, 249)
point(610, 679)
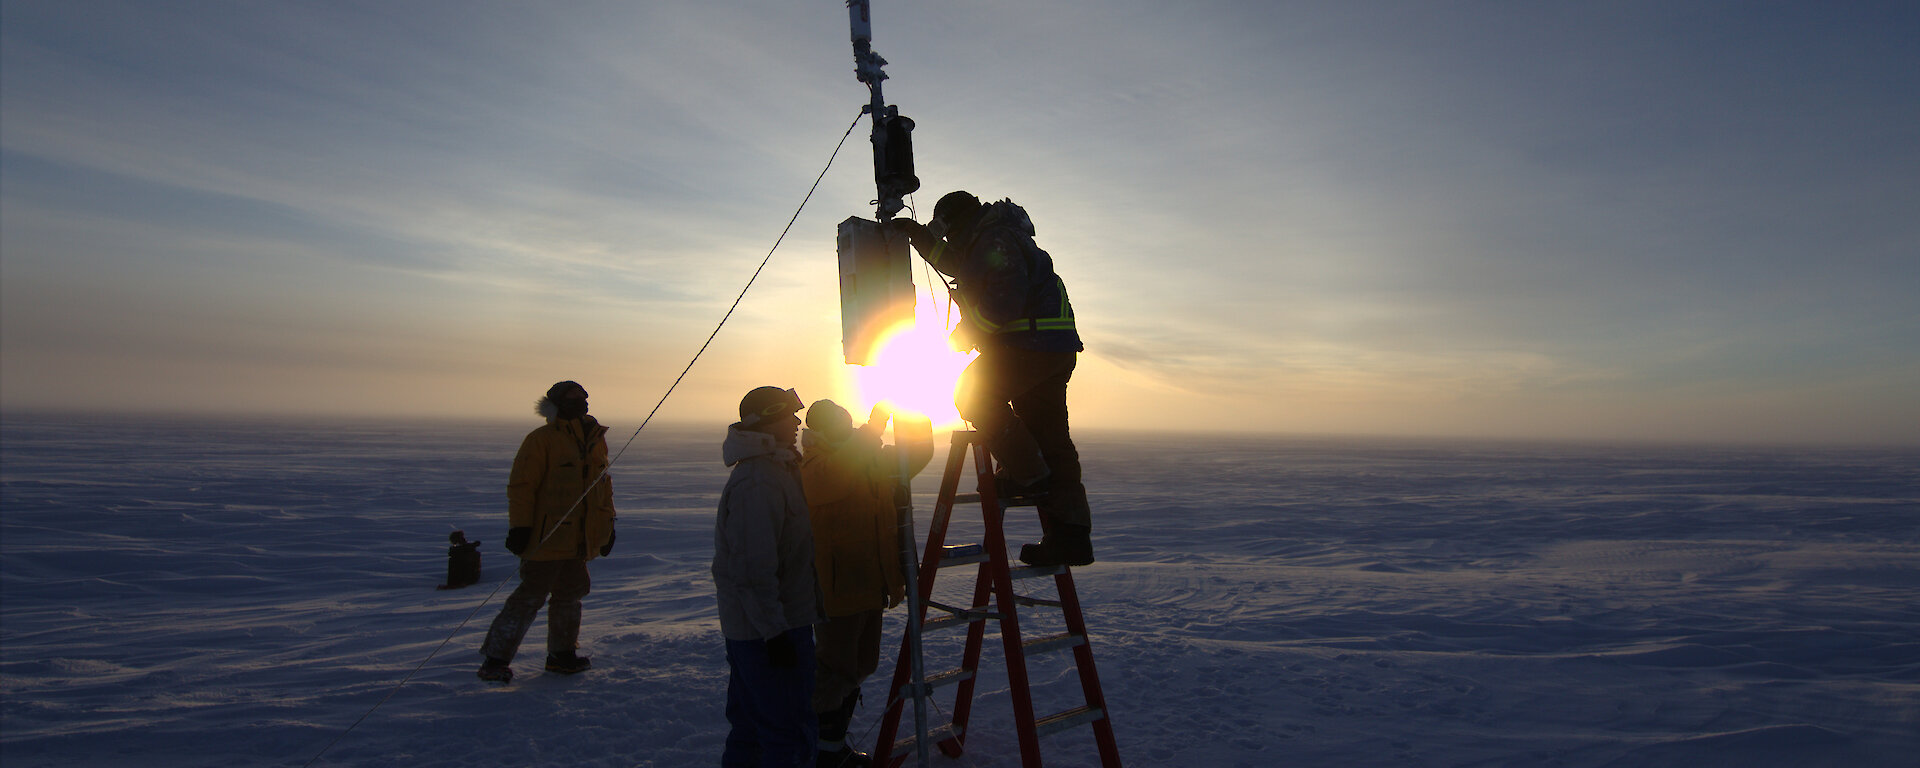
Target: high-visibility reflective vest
point(1045, 306)
point(1063, 321)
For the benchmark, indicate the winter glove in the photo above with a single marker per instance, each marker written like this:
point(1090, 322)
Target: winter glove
point(607, 548)
point(908, 227)
point(916, 233)
point(517, 539)
point(781, 653)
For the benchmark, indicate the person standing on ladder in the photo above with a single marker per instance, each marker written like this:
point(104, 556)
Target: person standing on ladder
point(848, 476)
point(559, 506)
point(764, 581)
point(1014, 309)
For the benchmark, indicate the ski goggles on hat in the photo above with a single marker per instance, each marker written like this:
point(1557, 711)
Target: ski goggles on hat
point(770, 402)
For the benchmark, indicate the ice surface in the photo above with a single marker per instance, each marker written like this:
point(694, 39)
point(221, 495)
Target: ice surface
point(186, 593)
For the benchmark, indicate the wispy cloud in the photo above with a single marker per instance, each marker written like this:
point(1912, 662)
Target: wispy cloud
point(1554, 203)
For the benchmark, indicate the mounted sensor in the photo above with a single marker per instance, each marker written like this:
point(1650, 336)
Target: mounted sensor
point(876, 286)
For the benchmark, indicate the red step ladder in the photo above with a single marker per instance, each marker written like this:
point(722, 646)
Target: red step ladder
point(994, 600)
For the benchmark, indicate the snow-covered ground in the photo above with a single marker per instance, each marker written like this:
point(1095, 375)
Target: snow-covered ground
point(187, 593)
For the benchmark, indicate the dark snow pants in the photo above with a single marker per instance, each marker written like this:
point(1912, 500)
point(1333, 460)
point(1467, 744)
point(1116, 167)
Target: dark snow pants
point(847, 649)
point(770, 708)
point(565, 582)
point(847, 652)
point(1017, 398)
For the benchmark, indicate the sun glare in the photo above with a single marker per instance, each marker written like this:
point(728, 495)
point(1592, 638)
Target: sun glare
point(914, 372)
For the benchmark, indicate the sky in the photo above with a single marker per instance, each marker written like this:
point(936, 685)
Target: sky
point(1694, 221)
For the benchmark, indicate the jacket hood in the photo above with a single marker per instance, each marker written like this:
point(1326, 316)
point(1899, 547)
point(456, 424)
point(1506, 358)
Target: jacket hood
point(550, 410)
point(811, 441)
point(742, 444)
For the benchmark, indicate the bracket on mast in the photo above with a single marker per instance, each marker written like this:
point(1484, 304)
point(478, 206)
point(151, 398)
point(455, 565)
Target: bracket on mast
point(893, 175)
point(866, 63)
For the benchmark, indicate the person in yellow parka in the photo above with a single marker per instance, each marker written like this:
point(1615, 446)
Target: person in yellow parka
point(848, 479)
point(559, 515)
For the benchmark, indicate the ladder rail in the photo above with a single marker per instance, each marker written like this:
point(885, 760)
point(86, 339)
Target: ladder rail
point(929, 567)
point(1089, 675)
point(969, 660)
point(998, 572)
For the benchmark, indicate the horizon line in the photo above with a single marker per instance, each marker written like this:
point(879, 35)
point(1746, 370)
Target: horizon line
point(13, 413)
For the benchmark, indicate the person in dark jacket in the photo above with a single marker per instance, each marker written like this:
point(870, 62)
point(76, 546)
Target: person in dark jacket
point(560, 515)
point(764, 582)
point(850, 478)
point(1014, 309)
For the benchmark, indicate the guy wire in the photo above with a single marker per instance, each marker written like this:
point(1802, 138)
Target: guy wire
point(623, 447)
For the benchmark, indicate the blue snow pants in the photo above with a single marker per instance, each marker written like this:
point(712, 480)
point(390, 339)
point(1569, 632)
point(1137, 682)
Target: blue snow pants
point(771, 709)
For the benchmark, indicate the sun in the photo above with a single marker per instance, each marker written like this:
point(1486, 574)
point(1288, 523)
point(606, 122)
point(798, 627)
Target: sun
point(914, 371)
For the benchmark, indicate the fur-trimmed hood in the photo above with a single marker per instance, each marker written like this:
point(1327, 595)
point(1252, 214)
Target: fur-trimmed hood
point(550, 410)
point(743, 443)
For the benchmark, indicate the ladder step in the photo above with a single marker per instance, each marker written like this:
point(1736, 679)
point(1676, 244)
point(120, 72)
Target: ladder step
point(1051, 643)
point(1036, 571)
point(970, 554)
point(949, 677)
point(975, 613)
point(1072, 718)
point(958, 617)
point(962, 554)
point(910, 744)
point(935, 681)
point(950, 621)
point(1035, 602)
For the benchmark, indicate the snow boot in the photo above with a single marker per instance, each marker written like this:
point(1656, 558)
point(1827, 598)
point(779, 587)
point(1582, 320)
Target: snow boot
point(569, 664)
point(1062, 544)
point(845, 757)
point(832, 751)
point(495, 671)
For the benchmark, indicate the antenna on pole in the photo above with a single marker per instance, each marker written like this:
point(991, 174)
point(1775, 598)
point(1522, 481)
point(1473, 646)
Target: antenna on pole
point(876, 272)
point(892, 132)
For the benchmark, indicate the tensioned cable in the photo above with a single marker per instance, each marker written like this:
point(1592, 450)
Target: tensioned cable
point(927, 274)
point(623, 447)
point(743, 291)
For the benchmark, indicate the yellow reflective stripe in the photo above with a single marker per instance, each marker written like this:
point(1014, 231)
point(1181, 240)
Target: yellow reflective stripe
point(1051, 324)
point(1064, 322)
point(968, 312)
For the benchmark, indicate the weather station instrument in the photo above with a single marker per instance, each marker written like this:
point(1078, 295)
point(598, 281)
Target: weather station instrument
point(876, 276)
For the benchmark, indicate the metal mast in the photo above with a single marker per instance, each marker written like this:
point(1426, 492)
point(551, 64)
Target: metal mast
point(892, 133)
point(893, 179)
